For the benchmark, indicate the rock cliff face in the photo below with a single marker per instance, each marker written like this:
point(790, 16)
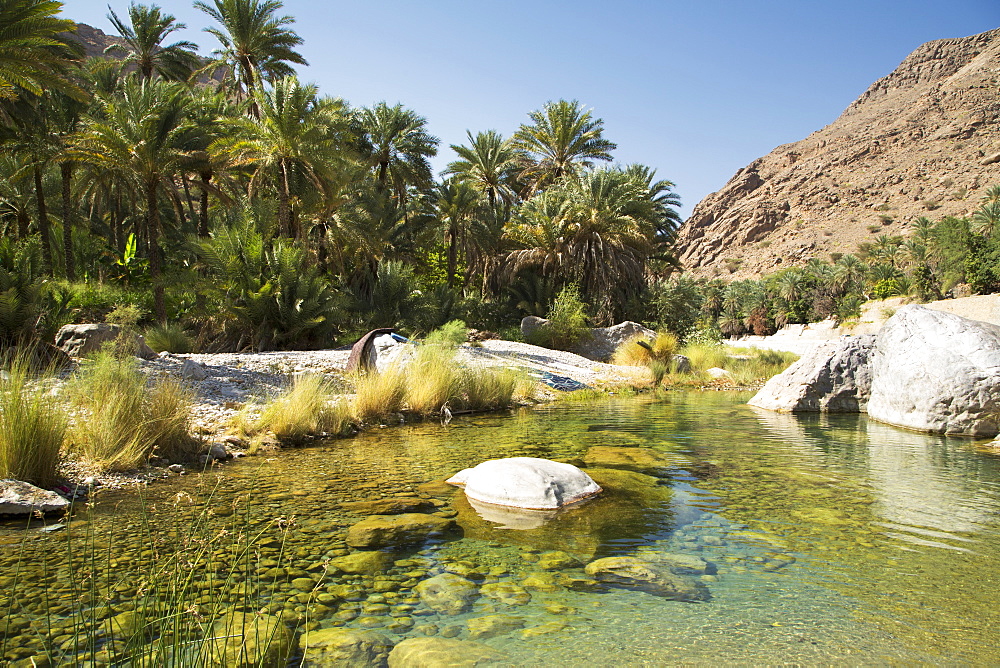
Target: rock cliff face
point(922, 141)
point(94, 40)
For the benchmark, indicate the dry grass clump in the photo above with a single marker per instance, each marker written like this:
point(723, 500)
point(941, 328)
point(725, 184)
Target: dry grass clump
point(307, 408)
point(123, 420)
point(704, 356)
point(432, 379)
point(378, 394)
point(488, 389)
point(32, 426)
point(640, 351)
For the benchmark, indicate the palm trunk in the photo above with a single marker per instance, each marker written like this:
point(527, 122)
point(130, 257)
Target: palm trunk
point(155, 263)
point(22, 224)
point(452, 255)
point(43, 221)
point(66, 170)
point(190, 202)
point(284, 208)
point(206, 176)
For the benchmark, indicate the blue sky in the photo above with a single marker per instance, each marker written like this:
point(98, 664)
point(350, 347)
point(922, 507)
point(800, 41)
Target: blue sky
point(695, 89)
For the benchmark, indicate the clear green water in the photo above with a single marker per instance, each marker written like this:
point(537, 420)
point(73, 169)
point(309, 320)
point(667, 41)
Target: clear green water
point(835, 539)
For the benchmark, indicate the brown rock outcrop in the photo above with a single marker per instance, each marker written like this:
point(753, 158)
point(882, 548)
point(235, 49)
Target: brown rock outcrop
point(922, 141)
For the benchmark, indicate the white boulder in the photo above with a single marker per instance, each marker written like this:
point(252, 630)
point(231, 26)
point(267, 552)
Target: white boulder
point(936, 372)
point(525, 482)
point(833, 377)
point(22, 498)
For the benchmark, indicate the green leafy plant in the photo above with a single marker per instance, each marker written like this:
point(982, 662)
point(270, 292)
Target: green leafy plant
point(127, 266)
point(567, 322)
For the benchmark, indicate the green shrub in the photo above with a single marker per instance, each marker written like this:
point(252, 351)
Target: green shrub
point(170, 337)
point(32, 425)
point(567, 324)
point(451, 334)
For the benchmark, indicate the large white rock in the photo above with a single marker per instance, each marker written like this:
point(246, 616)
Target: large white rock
point(21, 498)
point(834, 376)
point(936, 372)
point(525, 482)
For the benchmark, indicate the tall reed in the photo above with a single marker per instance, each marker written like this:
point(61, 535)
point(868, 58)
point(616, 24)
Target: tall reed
point(432, 379)
point(32, 425)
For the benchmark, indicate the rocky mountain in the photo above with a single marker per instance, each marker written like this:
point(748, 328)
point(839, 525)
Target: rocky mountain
point(922, 141)
point(94, 40)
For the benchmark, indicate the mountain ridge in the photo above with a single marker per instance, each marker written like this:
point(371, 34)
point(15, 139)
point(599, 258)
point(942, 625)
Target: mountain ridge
point(922, 140)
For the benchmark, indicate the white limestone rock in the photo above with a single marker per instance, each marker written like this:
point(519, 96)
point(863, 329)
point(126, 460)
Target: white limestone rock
point(936, 372)
point(21, 498)
point(833, 377)
point(525, 482)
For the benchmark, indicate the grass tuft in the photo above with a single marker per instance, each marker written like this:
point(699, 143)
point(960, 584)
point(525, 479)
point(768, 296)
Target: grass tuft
point(307, 408)
point(170, 337)
point(32, 425)
point(124, 419)
point(379, 393)
point(640, 351)
point(432, 379)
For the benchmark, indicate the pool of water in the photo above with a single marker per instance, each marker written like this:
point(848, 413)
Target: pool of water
point(827, 539)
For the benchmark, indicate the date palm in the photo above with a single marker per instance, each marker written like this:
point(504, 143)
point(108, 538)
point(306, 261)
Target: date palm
point(297, 136)
point(256, 42)
point(455, 203)
point(140, 136)
point(399, 147)
point(596, 229)
point(142, 44)
point(489, 163)
point(35, 55)
point(562, 139)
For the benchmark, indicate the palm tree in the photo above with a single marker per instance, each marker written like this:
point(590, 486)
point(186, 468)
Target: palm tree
point(987, 218)
point(140, 136)
point(562, 138)
point(34, 55)
point(597, 230)
point(490, 163)
point(256, 44)
point(142, 45)
point(399, 147)
point(455, 203)
point(296, 135)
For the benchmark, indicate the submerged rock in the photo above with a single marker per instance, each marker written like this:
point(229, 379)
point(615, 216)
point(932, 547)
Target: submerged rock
point(22, 498)
point(447, 594)
point(493, 625)
point(646, 576)
point(381, 531)
point(625, 457)
point(835, 377)
point(245, 639)
point(388, 506)
point(362, 563)
point(937, 372)
point(526, 482)
point(437, 652)
point(507, 593)
point(349, 648)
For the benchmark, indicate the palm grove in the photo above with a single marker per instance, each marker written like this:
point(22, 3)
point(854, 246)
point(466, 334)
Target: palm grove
point(225, 196)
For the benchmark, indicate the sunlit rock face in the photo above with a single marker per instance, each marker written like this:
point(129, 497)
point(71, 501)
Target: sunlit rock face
point(936, 372)
point(526, 482)
point(833, 377)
